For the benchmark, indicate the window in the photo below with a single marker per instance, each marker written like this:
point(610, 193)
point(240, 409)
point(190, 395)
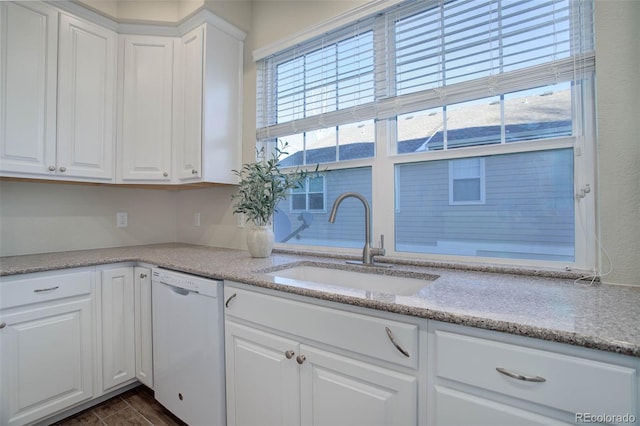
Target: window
point(311, 227)
point(472, 119)
point(310, 197)
point(466, 181)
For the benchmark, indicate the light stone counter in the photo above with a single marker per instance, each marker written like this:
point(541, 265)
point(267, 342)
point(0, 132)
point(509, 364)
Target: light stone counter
point(542, 305)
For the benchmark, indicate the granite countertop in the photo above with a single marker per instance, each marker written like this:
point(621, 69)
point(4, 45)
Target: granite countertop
point(544, 305)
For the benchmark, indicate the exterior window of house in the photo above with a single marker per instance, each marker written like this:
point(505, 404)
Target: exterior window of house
point(466, 181)
point(310, 197)
point(467, 124)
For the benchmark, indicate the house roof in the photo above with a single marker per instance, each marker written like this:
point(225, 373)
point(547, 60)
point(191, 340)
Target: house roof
point(476, 124)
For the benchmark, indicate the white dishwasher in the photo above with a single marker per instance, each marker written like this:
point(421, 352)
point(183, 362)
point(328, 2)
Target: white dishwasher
point(188, 347)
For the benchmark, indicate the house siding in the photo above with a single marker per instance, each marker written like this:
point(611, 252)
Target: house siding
point(528, 204)
point(348, 229)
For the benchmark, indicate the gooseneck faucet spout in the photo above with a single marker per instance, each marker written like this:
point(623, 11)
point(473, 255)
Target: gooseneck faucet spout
point(368, 252)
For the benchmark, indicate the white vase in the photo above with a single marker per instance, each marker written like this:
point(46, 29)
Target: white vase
point(260, 241)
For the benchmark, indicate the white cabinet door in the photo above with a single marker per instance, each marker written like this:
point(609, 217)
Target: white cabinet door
point(146, 112)
point(337, 390)
point(46, 361)
point(86, 99)
point(188, 107)
point(28, 67)
point(454, 408)
point(117, 327)
point(262, 383)
point(143, 326)
point(208, 106)
point(222, 105)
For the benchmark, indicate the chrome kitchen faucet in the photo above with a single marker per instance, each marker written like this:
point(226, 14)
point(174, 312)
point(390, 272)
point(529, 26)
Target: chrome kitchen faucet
point(368, 252)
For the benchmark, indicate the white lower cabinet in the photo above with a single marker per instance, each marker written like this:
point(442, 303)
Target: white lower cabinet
point(480, 377)
point(46, 341)
point(143, 325)
point(116, 331)
point(298, 373)
point(125, 334)
point(337, 390)
point(69, 336)
point(460, 408)
point(263, 386)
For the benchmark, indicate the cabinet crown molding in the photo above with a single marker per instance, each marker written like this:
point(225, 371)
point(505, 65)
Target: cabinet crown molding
point(154, 28)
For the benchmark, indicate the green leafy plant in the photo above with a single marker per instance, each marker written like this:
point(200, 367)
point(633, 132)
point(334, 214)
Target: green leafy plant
point(263, 185)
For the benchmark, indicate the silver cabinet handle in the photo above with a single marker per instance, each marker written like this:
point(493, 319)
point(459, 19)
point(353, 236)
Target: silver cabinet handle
point(143, 276)
point(165, 174)
point(300, 359)
point(229, 299)
point(62, 169)
point(289, 354)
point(2, 325)
point(52, 168)
point(39, 290)
point(393, 340)
point(517, 376)
point(194, 172)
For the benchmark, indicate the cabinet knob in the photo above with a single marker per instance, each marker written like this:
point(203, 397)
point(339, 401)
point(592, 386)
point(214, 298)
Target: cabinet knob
point(3, 325)
point(143, 276)
point(289, 354)
point(165, 174)
point(62, 169)
point(52, 168)
point(194, 172)
point(300, 359)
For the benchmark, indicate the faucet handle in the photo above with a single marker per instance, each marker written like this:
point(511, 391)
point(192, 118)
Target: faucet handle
point(379, 251)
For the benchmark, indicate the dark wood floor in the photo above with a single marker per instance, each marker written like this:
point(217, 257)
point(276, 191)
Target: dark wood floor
point(134, 407)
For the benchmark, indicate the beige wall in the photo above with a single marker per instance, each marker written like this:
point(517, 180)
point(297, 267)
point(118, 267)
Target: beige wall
point(145, 10)
point(24, 208)
point(618, 83)
point(47, 217)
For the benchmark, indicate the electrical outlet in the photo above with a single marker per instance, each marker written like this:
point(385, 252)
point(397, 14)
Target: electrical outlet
point(196, 219)
point(240, 220)
point(121, 220)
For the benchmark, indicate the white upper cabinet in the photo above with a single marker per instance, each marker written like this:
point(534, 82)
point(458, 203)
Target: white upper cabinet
point(208, 115)
point(28, 73)
point(161, 104)
point(192, 133)
point(86, 99)
point(146, 110)
point(58, 86)
point(188, 105)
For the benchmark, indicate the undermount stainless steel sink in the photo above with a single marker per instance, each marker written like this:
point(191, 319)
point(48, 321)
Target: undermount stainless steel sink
point(390, 282)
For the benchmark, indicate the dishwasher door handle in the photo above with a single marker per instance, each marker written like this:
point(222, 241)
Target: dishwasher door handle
point(179, 290)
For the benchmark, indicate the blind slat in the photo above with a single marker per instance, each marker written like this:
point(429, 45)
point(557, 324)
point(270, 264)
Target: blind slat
point(423, 55)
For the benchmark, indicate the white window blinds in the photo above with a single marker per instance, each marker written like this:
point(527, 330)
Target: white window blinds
point(420, 55)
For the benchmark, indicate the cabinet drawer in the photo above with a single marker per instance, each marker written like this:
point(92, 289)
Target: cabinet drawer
point(346, 330)
point(572, 384)
point(43, 287)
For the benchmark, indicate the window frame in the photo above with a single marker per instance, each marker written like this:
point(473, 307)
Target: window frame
point(481, 178)
point(384, 204)
point(306, 194)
